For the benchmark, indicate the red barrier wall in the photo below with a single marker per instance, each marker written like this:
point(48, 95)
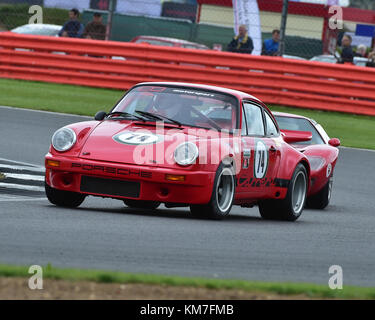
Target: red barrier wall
point(275, 80)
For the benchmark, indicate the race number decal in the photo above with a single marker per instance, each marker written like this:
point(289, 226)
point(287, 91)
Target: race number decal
point(260, 160)
point(136, 138)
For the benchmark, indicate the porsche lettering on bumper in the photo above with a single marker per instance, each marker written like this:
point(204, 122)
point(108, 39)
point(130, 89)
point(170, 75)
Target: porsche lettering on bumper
point(118, 171)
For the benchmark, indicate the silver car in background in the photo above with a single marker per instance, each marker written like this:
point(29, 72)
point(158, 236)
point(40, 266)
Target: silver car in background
point(38, 29)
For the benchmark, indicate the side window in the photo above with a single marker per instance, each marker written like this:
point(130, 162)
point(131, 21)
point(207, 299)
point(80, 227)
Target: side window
point(271, 128)
point(254, 120)
point(243, 125)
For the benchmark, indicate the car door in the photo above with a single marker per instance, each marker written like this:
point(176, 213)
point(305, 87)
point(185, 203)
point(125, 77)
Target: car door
point(273, 142)
point(259, 152)
point(251, 114)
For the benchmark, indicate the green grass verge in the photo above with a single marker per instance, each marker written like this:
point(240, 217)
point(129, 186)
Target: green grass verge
point(57, 97)
point(310, 290)
point(352, 130)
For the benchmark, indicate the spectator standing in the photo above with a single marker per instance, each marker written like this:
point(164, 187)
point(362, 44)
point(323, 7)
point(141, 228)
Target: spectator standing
point(271, 46)
point(72, 28)
point(241, 43)
point(347, 53)
point(95, 29)
point(361, 51)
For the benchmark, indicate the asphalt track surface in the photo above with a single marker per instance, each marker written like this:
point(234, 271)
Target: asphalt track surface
point(104, 234)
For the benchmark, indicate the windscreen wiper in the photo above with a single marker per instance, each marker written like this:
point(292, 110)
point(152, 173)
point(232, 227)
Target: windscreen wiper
point(158, 117)
point(125, 114)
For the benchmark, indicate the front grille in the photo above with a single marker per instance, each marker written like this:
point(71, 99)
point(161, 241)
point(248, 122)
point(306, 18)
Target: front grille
point(110, 187)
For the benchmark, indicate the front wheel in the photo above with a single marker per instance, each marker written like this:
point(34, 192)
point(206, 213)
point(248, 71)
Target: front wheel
point(290, 208)
point(322, 198)
point(139, 204)
point(63, 198)
point(222, 196)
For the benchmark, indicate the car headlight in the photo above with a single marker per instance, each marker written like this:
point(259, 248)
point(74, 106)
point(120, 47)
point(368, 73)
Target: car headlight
point(316, 163)
point(63, 139)
point(186, 153)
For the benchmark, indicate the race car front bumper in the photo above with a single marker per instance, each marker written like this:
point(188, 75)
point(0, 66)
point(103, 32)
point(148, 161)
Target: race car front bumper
point(120, 181)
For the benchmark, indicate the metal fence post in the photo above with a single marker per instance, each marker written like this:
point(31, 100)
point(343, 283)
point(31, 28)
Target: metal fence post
point(111, 9)
point(283, 28)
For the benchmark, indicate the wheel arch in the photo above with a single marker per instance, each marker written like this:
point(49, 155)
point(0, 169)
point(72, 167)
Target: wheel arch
point(289, 161)
point(306, 164)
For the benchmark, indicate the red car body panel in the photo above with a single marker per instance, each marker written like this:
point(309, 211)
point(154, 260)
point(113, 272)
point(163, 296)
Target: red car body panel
point(321, 176)
point(97, 155)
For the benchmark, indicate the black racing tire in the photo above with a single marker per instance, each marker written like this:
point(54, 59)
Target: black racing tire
point(63, 198)
point(222, 196)
point(290, 208)
point(139, 204)
point(321, 199)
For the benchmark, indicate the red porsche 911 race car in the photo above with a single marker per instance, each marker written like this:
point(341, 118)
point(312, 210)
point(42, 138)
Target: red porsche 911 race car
point(180, 144)
point(322, 153)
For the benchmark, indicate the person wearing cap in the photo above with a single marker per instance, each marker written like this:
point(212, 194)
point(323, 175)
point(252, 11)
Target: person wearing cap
point(95, 29)
point(241, 43)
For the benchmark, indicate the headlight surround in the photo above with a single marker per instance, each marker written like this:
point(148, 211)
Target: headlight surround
point(186, 153)
point(64, 139)
point(316, 163)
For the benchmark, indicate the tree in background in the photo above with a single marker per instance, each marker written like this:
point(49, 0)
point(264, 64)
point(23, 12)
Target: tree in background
point(363, 4)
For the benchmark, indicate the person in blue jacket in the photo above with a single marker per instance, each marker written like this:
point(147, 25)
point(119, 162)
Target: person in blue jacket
point(271, 46)
point(72, 28)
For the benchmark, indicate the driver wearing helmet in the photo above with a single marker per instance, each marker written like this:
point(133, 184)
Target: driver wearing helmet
point(167, 105)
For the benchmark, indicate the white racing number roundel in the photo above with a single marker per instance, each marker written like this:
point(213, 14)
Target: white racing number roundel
point(260, 160)
point(136, 138)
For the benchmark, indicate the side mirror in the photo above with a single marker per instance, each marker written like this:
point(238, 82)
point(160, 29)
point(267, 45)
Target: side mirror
point(100, 115)
point(291, 136)
point(334, 142)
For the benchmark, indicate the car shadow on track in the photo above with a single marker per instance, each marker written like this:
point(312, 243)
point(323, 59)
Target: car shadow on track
point(181, 213)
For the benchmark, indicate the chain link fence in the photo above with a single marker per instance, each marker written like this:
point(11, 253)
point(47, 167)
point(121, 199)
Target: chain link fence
point(207, 22)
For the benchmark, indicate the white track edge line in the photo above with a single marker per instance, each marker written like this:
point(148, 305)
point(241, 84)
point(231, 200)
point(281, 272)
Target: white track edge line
point(22, 163)
point(48, 112)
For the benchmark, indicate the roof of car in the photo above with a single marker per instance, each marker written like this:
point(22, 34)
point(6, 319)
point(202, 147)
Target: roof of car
point(174, 40)
point(290, 115)
point(239, 94)
point(39, 25)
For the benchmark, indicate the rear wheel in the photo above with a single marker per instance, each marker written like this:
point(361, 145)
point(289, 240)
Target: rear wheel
point(64, 198)
point(222, 196)
point(139, 204)
point(290, 208)
point(322, 198)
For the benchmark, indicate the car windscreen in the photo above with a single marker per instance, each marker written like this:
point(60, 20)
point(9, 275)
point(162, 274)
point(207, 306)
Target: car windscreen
point(299, 124)
point(189, 106)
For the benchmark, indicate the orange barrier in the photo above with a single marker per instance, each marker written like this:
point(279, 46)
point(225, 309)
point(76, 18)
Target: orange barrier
point(274, 80)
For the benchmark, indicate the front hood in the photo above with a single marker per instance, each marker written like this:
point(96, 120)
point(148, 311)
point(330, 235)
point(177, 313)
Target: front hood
point(135, 143)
